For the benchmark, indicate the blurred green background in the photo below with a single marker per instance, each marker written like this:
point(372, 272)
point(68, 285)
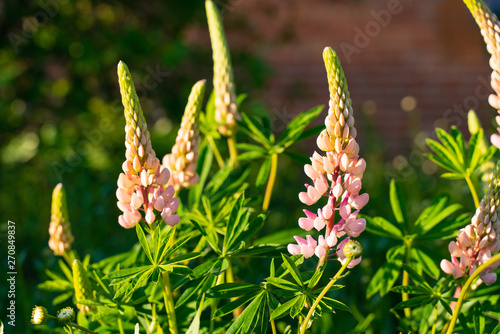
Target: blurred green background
point(62, 121)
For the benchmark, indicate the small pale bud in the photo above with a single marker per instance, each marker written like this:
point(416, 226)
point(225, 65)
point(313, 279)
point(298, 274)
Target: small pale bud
point(353, 249)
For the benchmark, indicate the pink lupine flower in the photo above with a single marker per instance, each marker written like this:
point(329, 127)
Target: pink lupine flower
point(305, 246)
point(143, 184)
point(476, 242)
point(336, 175)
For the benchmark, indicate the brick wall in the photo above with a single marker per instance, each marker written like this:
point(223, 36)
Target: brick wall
point(430, 50)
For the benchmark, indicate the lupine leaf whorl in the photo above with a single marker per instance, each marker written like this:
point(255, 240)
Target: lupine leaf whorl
point(340, 120)
point(60, 229)
point(224, 89)
point(184, 157)
point(83, 289)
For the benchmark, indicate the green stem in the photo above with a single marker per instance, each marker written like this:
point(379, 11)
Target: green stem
point(472, 190)
point(465, 289)
point(83, 329)
point(169, 304)
point(218, 157)
point(220, 279)
point(120, 326)
point(233, 152)
point(406, 280)
point(322, 294)
point(435, 320)
point(270, 182)
point(273, 325)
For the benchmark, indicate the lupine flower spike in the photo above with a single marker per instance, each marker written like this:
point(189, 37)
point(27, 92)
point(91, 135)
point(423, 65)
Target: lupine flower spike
point(490, 29)
point(60, 229)
point(83, 290)
point(143, 184)
point(224, 89)
point(336, 176)
point(183, 159)
point(478, 241)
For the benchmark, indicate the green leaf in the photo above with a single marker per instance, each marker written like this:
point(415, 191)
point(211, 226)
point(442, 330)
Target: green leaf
point(252, 128)
point(417, 279)
point(283, 284)
point(246, 317)
point(311, 132)
point(451, 144)
point(382, 227)
point(230, 290)
point(292, 268)
point(388, 273)
point(251, 155)
point(397, 203)
point(169, 251)
point(435, 213)
point(412, 302)
point(183, 258)
point(298, 306)
point(233, 224)
point(126, 272)
point(281, 237)
point(335, 304)
point(297, 125)
point(316, 277)
point(230, 307)
point(452, 176)
point(263, 174)
point(206, 156)
point(418, 290)
point(143, 241)
point(478, 317)
point(283, 308)
point(428, 264)
point(194, 328)
point(445, 156)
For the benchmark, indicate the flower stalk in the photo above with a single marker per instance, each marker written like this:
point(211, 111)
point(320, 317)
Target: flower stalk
point(169, 304)
point(270, 182)
point(484, 267)
point(327, 288)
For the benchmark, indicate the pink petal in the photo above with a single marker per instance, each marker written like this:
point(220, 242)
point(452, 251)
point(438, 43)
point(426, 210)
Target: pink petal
point(304, 198)
point(293, 249)
point(447, 266)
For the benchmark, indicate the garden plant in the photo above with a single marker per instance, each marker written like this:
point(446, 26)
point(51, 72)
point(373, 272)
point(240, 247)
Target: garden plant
point(197, 217)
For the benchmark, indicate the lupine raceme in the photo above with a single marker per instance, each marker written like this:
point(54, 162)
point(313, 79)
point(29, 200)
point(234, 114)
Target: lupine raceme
point(183, 159)
point(224, 89)
point(143, 185)
point(478, 241)
point(490, 29)
point(336, 176)
point(60, 229)
point(83, 289)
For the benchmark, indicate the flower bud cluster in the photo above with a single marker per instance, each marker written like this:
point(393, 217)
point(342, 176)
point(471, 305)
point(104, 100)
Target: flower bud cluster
point(143, 185)
point(184, 157)
point(224, 89)
point(60, 229)
point(478, 241)
point(490, 29)
point(336, 176)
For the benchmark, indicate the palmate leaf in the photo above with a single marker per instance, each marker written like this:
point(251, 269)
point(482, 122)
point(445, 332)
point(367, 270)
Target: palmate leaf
point(252, 128)
point(382, 227)
point(413, 302)
point(334, 304)
point(235, 304)
point(244, 322)
point(297, 125)
point(292, 269)
point(421, 256)
point(445, 158)
point(283, 284)
point(388, 273)
point(434, 214)
point(281, 310)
